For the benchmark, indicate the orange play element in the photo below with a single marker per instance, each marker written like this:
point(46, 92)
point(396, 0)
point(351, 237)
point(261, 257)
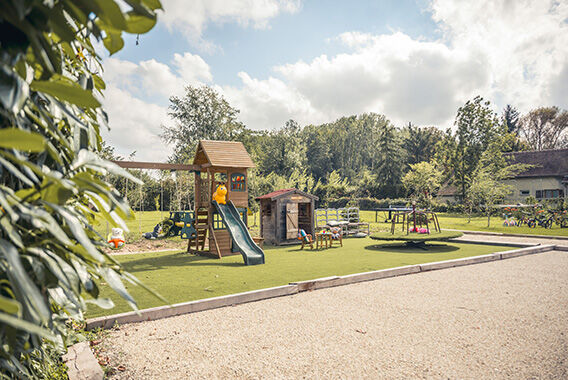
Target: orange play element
point(116, 238)
point(117, 242)
point(220, 195)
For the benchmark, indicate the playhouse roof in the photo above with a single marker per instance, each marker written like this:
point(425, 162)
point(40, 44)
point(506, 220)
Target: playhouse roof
point(227, 154)
point(280, 193)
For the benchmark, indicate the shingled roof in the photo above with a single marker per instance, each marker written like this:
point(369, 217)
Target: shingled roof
point(226, 154)
point(547, 163)
point(280, 193)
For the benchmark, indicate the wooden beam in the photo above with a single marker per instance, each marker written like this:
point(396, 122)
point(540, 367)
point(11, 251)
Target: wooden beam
point(156, 165)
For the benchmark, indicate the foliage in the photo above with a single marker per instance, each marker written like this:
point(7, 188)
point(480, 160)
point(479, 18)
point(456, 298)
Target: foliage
point(201, 114)
point(389, 162)
point(50, 177)
point(422, 181)
point(420, 143)
point(545, 128)
point(477, 126)
point(511, 118)
point(487, 187)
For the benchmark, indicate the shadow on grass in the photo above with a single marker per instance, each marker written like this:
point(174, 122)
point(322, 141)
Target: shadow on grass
point(174, 260)
point(403, 248)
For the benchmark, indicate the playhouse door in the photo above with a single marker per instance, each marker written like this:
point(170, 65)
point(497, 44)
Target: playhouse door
point(291, 220)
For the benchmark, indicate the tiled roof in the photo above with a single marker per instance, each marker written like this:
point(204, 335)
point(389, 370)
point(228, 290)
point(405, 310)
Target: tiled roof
point(547, 163)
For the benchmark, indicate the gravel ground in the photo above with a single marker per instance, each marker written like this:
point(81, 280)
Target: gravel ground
point(505, 319)
point(504, 239)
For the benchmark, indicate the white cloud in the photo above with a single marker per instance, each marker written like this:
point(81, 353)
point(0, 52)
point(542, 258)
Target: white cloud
point(133, 89)
point(134, 125)
point(508, 52)
point(191, 18)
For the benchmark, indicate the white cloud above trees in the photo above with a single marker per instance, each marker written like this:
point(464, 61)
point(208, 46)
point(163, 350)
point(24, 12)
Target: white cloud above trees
point(508, 52)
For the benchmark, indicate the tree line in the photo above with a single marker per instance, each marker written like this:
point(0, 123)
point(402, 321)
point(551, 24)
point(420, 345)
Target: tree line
point(364, 156)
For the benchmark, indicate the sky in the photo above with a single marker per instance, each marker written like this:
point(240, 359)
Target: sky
point(315, 61)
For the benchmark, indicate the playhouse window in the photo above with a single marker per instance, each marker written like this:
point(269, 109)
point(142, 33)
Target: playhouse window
point(238, 182)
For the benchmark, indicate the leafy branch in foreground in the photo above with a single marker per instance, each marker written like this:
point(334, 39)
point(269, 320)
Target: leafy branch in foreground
point(50, 172)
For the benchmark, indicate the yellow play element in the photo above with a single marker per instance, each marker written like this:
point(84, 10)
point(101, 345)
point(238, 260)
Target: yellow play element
point(220, 195)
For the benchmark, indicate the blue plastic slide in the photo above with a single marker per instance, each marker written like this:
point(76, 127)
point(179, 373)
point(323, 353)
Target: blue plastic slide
point(252, 254)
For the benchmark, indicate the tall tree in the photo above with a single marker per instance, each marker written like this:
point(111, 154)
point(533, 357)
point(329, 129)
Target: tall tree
point(511, 118)
point(420, 143)
point(201, 114)
point(282, 151)
point(422, 181)
point(477, 125)
point(545, 128)
point(389, 162)
point(50, 173)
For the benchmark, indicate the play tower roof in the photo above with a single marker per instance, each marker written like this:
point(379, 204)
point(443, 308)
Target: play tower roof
point(226, 154)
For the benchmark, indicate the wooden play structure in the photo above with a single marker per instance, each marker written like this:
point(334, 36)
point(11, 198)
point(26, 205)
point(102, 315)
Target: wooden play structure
point(283, 213)
point(415, 220)
point(218, 229)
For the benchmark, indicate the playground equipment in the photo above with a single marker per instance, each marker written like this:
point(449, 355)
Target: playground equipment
point(222, 226)
point(416, 229)
point(283, 213)
point(116, 238)
point(346, 218)
point(420, 221)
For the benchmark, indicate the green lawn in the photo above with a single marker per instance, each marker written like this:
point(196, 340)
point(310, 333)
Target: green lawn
point(478, 223)
point(182, 277)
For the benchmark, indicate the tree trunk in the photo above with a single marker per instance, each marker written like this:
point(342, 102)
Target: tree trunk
point(488, 217)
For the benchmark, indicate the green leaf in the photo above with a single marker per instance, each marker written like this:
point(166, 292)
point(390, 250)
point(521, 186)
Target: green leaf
point(152, 4)
point(110, 12)
point(24, 288)
point(9, 305)
point(103, 303)
point(113, 280)
point(67, 91)
point(55, 192)
point(21, 324)
point(113, 42)
point(78, 232)
point(137, 24)
point(13, 90)
point(14, 138)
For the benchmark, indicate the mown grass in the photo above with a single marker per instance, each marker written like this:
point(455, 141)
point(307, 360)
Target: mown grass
point(477, 223)
point(181, 277)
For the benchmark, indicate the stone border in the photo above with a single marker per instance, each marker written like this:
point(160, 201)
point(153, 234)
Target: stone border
point(466, 232)
point(301, 286)
point(81, 363)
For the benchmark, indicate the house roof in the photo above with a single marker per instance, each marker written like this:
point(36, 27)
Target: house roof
point(283, 192)
point(547, 163)
point(227, 154)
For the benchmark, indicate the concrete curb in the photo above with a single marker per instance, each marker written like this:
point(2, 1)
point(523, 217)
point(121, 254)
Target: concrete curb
point(301, 286)
point(190, 307)
point(82, 363)
point(468, 232)
point(497, 243)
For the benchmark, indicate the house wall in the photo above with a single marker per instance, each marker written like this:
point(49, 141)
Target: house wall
point(532, 185)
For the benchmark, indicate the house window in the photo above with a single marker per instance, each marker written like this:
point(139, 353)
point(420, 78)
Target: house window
point(525, 193)
point(238, 182)
point(550, 193)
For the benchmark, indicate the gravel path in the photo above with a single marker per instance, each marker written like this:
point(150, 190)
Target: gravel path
point(504, 319)
point(504, 239)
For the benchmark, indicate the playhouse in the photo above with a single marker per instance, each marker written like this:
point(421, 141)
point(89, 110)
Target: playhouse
point(283, 213)
point(219, 221)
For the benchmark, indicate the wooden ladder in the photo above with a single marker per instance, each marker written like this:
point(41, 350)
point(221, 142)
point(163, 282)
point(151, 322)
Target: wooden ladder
point(201, 225)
